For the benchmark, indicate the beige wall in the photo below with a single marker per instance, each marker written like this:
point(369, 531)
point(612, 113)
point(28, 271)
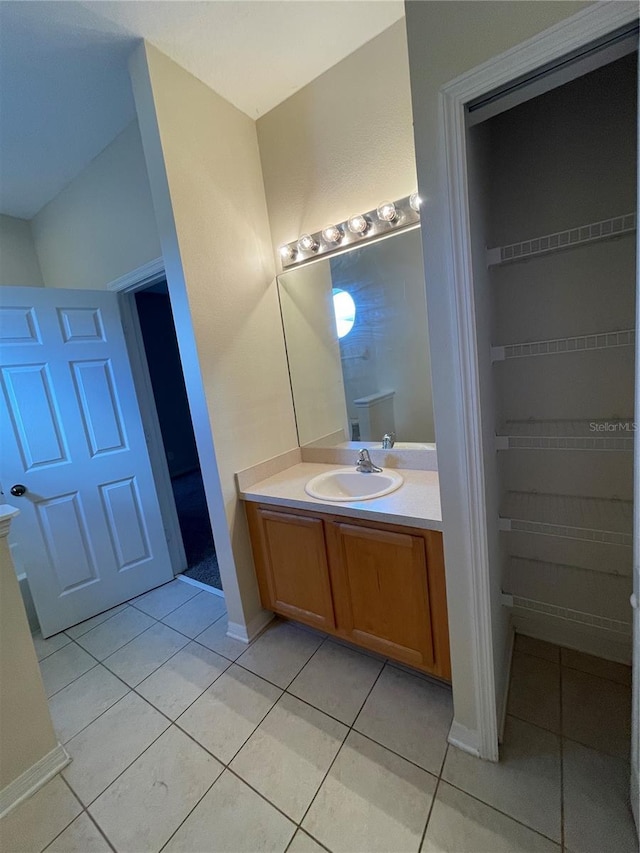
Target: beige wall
point(26, 732)
point(343, 143)
point(18, 260)
point(446, 39)
point(204, 169)
point(101, 226)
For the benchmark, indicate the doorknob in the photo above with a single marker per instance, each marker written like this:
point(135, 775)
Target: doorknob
point(18, 490)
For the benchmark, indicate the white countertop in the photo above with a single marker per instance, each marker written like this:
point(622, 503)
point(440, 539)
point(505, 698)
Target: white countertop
point(415, 504)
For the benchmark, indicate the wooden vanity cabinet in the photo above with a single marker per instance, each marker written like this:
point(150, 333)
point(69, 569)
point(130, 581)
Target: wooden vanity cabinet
point(379, 586)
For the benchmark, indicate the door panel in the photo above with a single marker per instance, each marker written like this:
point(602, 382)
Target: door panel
point(95, 391)
point(385, 593)
point(89, 534)
point(34, 416)
point(295, 566)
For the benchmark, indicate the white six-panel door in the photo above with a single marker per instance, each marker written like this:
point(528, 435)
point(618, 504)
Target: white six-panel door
point(89, 534)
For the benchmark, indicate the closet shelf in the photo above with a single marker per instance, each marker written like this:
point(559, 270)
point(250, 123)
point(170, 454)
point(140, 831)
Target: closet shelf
point(595, 434)
point(603, 230)
point(569, 517)
point(535, 567)
point(560, 346)
point(566, 613)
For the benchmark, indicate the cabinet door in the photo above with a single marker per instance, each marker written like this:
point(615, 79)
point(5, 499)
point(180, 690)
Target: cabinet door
point(292, 568)
point(381, 591)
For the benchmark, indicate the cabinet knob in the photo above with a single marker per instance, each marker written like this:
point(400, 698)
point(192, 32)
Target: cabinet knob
point(18, 490)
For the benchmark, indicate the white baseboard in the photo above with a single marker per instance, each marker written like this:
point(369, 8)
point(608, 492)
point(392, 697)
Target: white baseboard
point(205, 586)
point(33, 779)
point(508, 661)
point(583, 638)
point(465, 739)
point(247, 633)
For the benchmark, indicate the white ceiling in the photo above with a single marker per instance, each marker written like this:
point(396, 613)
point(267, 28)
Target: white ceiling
point(65, 91)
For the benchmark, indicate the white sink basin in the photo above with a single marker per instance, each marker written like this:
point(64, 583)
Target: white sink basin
point(346, 484)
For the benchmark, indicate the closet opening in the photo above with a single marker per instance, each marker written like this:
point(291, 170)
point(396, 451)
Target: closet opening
point(552, 201)
point(555, 186)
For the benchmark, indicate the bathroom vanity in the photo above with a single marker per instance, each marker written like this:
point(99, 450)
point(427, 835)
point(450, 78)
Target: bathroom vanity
point(369, 572)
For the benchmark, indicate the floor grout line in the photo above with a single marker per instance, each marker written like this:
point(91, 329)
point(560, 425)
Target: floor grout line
point(286, 691)
point(120, 609)
point(66, 826)
point(85, 810)
point(499, 811)
point(226, 766)
point(346, 737)
point(433, 798)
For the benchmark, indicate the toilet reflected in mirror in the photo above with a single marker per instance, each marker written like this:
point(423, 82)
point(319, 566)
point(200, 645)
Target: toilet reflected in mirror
point(355, 327)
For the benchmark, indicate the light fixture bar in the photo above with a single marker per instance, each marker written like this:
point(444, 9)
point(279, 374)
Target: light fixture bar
point(333, 239)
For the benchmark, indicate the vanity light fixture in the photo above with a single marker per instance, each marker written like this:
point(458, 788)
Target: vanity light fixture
point(387, 218)
point(387, 211)
point(288, 253)
point(307, 243)
point(331, 234)
point(357, 223)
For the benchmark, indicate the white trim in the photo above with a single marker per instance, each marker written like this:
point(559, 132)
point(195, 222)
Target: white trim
point(255, 626)
point(33, 779)
point(555, 77)
point(570, 34)
point(465, 739)
point(139, 278)
point(461, 284)
point(591, 23)
point(205, 586)
point(508, 663)
point(151, 425)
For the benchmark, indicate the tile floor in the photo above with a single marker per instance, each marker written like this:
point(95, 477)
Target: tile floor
point(185, 740)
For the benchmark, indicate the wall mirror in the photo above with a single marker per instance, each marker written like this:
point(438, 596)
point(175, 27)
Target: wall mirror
point(355, 327)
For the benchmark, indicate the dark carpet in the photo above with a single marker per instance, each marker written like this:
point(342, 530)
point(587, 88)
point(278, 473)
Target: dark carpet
point(193, 515)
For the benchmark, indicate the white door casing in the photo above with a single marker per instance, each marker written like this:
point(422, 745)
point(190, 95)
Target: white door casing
point(89, 535)
point(586, 26)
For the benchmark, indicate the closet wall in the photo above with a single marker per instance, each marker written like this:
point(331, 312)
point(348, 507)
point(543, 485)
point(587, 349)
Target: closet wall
point(561, 322)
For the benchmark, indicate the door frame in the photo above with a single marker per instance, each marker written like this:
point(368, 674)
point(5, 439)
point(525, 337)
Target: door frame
point(126, 288)
point(548, 46)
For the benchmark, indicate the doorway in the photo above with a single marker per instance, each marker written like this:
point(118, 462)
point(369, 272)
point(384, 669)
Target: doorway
point(159, 340)
point(475, 332)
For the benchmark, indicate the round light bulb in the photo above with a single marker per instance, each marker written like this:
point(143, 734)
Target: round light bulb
point(287, 252)
point(331, 234)
point(357, 224)
point(387, 211)
point(415, 201)
point(306, 243)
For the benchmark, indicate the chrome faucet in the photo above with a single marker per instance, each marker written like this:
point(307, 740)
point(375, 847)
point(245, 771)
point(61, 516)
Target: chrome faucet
point(388, 440)
point(364, 464)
